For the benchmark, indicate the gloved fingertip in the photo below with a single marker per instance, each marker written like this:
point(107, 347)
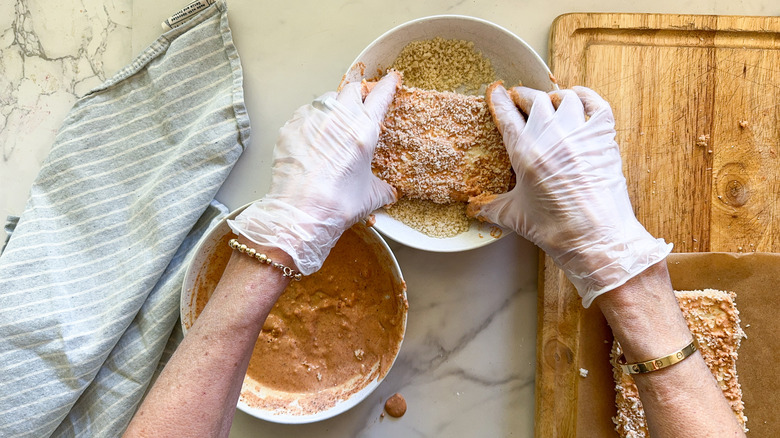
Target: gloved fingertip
point(382, 193)
point(591, 101)
point(582, 90)
point(556, 100)
point(559, 96)
point(394, 76)
point(567, 102)
point(495, 91)
point(390, 194)
point(527, 98)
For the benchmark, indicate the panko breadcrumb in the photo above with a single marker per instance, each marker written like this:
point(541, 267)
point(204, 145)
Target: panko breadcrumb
point(444, 65)
point(434, 220)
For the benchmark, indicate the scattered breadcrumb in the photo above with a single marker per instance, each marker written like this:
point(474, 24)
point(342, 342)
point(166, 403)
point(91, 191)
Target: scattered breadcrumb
point(703, 141)
point(444, 65)
point(583, 372)
point(743, 124)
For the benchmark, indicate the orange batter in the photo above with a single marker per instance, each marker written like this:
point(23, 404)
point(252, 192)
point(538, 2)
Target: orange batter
point(344, 322)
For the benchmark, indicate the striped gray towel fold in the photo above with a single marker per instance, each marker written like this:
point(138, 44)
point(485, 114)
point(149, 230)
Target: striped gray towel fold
point(90, 278)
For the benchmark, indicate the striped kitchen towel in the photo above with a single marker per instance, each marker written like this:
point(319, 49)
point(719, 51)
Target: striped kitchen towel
point(91, 276)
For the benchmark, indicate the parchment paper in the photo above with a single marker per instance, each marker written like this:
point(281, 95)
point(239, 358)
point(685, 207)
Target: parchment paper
point(755, 278)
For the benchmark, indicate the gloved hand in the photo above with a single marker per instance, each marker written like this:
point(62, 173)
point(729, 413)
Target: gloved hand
point(571, 197)
point(322, 182)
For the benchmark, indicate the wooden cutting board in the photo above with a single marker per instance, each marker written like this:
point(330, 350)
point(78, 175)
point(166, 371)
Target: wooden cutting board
point(697, 108)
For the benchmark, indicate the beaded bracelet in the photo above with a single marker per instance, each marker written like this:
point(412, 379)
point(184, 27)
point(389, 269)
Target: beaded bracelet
point(262, 258)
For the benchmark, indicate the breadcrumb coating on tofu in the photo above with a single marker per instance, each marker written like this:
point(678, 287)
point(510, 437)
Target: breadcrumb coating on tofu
point(441, 146)
point(713, 319)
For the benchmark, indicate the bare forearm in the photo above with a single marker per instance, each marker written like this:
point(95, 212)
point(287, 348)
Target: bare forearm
point(683, 399)
point(197, 391)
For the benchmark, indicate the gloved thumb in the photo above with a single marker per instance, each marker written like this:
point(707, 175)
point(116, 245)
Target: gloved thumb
point(378, 100)
point(382, 193)
point(494, 209)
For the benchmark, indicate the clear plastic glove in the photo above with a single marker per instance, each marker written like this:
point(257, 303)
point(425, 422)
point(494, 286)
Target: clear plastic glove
point(571, 197)
point(321, 180)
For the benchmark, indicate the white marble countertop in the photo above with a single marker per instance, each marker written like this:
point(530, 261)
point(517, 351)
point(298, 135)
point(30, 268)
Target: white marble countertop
point(467, 364)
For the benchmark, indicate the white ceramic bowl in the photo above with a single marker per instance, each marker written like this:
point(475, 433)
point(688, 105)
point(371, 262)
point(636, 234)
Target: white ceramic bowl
point(513, 60)
point(205, 251)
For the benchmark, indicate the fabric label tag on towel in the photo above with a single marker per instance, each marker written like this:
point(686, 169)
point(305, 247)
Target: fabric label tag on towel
point(185, 13)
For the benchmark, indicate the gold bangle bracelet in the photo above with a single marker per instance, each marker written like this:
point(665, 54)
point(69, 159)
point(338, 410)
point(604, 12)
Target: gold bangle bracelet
point(262, 258)
point(659, 363)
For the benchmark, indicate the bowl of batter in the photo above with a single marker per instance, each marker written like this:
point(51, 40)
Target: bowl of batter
point(329, 340)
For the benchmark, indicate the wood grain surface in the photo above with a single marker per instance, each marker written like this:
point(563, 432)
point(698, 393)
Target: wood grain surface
point(695, 100)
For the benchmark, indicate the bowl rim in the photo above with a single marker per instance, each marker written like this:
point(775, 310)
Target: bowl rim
point(341, 406)
point(455, 17)
point(418, 240)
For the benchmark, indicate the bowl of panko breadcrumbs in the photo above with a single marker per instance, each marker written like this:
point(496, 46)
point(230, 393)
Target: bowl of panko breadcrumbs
point(439, 146)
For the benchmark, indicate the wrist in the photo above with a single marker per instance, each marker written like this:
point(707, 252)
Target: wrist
point(274, 223)
point(247, 289)
point(598, 268)
point(270, 256)
point(644, 315)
